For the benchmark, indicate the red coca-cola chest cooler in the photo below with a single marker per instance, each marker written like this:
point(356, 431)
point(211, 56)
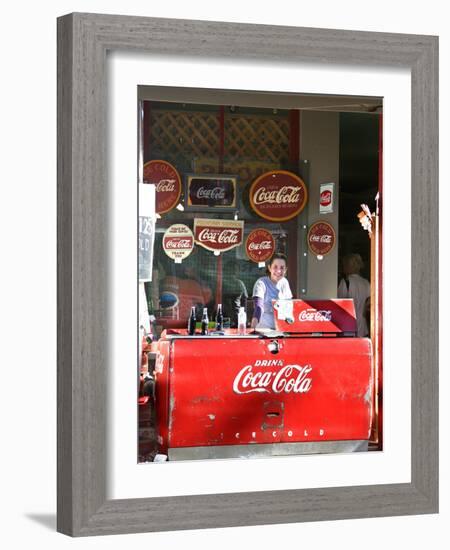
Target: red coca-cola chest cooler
point(305, 388)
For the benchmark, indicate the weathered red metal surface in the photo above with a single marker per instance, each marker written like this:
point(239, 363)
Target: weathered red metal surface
point(231, 391)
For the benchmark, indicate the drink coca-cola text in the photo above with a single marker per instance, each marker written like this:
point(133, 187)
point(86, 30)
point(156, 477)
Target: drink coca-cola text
point(289, 378)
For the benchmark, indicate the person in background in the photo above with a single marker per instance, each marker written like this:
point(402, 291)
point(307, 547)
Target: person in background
point(273, 286)
point(352, 285)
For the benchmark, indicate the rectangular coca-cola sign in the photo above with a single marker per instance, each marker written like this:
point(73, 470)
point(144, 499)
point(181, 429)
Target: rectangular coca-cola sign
point(218, 235)
point(211, 192)
point(315, 316)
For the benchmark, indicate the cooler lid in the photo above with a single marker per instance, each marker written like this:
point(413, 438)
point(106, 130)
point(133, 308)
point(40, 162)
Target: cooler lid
point(335, 316)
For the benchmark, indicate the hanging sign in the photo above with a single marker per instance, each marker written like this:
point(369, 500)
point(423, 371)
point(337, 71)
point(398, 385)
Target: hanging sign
point(218, 235)
point(260, 245)
point(278, 195)
point(178, 242)
point(321, 238)
point(167, 183)
point(326, 198)
point(211, 192)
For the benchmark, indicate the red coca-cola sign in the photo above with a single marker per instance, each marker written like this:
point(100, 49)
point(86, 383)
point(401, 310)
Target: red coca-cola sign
point(218, 235)
point(260, 245)
point(321, 238)
point(167, 181)
point(278, 195)
point(314, 316)
point(325, 198)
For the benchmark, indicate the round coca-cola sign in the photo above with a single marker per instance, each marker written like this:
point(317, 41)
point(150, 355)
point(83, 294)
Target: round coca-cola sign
point(321, 238)
point(325, 198)
point(260, 245)
point(178, 242)
point(278, 195)
point(167, 183)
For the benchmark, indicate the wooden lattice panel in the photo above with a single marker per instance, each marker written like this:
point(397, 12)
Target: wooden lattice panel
point(185, 134)
point(189, 135)
point(257, 137)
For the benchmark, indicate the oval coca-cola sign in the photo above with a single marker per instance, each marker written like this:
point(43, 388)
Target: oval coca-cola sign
point(321, 238)
point(278, 195)
point(218, 235)
point(260, 245)
point(178, 242)
point(167, 183)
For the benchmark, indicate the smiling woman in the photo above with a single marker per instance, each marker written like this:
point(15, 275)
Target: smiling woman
point(275, 286)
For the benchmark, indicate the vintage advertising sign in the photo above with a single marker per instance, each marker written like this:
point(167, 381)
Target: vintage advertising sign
point(321, 238)
point(300, 394)
point(326, 198)
point(167, 184)
point(260, 245)
point(213, 192)
point(178, 242)
point(278, 195)
point(315, 316)
point(218, 235)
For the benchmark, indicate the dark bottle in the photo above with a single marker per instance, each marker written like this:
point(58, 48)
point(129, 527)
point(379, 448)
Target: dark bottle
point(191, 322)
point(205, 321)
point(219, 318)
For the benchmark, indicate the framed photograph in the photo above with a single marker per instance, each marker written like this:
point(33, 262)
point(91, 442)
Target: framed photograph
point(100, 491)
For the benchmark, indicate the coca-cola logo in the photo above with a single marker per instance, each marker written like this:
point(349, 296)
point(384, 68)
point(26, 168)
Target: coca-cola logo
point(286, 379)
point(218, 235)
point(165, 186)
point(314, 315)
point(278, 195)
point(260, 245)
point(325, 198)
point(167, 183)
point(265, 245)
point(178, 242)
point(321, 238)
point(227, 236)
point(287, 194)
point(216, 193)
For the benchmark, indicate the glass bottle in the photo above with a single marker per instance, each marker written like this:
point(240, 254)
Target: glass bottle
point(205, 322)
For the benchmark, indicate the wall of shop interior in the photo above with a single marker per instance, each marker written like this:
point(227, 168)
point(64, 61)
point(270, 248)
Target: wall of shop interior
point(319, 144)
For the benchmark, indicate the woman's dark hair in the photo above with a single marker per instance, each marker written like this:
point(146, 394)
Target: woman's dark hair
point(276, 256)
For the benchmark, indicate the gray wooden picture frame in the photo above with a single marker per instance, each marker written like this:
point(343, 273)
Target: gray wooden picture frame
point(83, 42)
